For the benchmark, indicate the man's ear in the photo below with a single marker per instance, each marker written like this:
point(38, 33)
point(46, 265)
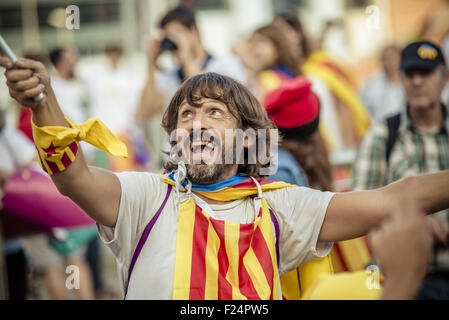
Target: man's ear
point(446, 76)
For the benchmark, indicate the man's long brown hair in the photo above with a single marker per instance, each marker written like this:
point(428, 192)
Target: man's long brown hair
point(241, 103)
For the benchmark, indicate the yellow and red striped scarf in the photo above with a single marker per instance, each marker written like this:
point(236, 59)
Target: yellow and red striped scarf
point(218, 259)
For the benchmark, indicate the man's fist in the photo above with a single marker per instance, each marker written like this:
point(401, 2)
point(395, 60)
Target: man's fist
point(402, 247)
point(25, 79)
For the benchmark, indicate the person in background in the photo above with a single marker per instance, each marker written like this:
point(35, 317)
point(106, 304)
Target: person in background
point(295, 110)
point(17, 153)
point(383, 94)
point(301, 158)
point(274, 65)
point(269, 59)
point(69, 90)
point(113, 89)
point(412, 142)
point(344, 117)
point(180, 36)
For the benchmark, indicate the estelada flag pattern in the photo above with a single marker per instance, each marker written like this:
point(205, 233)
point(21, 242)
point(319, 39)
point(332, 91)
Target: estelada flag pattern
point(223, 260)
point(57, 146)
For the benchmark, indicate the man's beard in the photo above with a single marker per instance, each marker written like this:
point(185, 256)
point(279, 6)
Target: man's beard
point(206, 174)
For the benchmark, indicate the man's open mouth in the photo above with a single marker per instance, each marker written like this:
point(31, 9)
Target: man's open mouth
point(201, 146)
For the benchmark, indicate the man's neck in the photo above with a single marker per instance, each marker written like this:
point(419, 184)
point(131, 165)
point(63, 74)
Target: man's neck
point(224, 177)
point(210, 201)
point(427, 120)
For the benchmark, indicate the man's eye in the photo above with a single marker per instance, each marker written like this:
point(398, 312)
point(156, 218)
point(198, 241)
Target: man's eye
point(216, 112)
point(186, 114)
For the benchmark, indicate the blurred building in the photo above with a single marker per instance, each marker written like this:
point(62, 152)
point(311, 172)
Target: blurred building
point(362, 27)
point(365, 24)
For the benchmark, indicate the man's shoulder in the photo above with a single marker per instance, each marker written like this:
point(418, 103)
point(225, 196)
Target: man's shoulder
point(292, 195)
point(139, 179)
point(379, 130)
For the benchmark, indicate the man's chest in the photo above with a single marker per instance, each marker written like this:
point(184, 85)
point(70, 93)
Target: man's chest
point(415, 153)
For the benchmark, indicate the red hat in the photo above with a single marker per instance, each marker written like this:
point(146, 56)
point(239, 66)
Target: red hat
point(293, 108)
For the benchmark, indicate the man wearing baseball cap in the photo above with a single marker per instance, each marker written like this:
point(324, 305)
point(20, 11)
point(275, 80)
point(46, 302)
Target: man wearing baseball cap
point(415, 141)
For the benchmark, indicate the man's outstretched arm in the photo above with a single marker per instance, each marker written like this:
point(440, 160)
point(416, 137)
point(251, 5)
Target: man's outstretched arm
point(354, 214)
point(96, 191)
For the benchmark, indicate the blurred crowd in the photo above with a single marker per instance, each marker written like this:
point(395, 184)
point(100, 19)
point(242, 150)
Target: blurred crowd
point(396, 123)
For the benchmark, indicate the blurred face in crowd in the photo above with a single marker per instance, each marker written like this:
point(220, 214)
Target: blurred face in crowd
point(70, 57)
point(391, 59)
point(114, 54)
point(294, 36)
point(178, 33)
point(423, 87)
point(263, 51)
point(290, 33)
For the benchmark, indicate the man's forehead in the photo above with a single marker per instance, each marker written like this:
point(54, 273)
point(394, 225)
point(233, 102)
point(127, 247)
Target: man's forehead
point(202, 102)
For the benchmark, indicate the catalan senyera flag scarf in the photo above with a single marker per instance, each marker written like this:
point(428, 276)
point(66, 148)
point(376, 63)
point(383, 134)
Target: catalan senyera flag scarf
point(57, 146)
point(223, 260)
point(321, 65)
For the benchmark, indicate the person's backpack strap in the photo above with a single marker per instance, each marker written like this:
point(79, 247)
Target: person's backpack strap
point(393, 124)
point(276, 231)
point(144, 236)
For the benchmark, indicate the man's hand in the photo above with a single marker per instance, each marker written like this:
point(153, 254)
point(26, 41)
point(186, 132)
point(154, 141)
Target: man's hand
point(154, 50)
point(402, 247)
point(25, 79)
point(186, 53)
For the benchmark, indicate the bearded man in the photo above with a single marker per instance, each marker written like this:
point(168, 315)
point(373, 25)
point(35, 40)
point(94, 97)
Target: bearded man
point(225, 232)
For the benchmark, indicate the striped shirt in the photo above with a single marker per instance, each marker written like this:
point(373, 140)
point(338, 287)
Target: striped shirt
point(413, 153)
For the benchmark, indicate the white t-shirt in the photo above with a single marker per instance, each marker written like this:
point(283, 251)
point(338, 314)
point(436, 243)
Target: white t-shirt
point(299, 211)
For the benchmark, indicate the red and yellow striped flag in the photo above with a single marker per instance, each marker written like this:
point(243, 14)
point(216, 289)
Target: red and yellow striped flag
point(218, 259)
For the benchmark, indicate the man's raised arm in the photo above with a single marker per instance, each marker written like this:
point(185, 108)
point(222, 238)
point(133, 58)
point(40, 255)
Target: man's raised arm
point(95, 190)
point(354, 214)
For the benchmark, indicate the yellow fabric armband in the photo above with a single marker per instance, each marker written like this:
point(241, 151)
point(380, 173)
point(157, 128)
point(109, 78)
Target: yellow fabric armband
point(57, 146)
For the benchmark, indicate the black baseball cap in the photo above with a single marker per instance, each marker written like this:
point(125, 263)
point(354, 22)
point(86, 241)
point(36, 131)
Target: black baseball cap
point(423, 55)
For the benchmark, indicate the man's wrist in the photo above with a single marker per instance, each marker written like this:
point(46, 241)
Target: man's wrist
point(401, 286)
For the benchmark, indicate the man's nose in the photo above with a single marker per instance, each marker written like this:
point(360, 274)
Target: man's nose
point(198, 126)
point(416, 79)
